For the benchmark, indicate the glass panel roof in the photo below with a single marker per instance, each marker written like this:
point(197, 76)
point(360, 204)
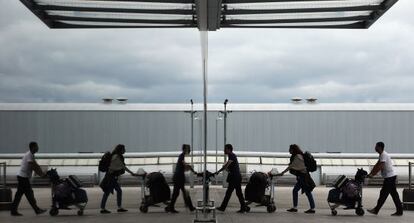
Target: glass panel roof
point(300, 15)
point(118, 24)
point(298, 24)
point(118, 15)
point(231, 13)
point(304, 4)
point(114, 4)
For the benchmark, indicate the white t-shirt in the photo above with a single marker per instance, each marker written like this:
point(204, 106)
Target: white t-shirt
point(25, 169)
point(388, 170)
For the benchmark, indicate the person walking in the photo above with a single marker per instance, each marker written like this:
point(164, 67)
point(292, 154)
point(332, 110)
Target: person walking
point(304, 181)
point(110, 183)
point(384, 165)
point(179, 181)
point(233, 178)
point(27, 167)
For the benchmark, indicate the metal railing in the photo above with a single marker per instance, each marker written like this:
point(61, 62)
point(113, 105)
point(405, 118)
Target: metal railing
point(410, 183)
point(167, 158)
point(4, 166)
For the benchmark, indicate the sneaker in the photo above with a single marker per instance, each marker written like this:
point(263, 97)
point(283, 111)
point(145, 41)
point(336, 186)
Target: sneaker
point(241, 211)
point(292, 210)
point(40, 211)
point(192, 209)
point(15, 213)
point(310, 211)
point(122, 210)
point(220, 209)
point(397, 214)
point(104, 211)
point(373, 211)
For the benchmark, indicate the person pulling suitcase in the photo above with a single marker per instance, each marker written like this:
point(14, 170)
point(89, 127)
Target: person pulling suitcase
point(179, 181)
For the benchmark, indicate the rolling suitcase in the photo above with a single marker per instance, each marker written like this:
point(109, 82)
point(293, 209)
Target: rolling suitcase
point(5, 198)
point(408, 199)
point(74, 181)
point(340, 181)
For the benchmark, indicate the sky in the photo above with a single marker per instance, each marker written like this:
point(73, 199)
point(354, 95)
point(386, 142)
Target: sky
point(38, 64)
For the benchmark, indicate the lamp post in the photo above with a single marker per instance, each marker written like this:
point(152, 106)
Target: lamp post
point(219, 118)
point(225, 113)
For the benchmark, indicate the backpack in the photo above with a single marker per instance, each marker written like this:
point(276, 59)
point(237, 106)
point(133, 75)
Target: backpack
point(105, 162)
point(310, 162)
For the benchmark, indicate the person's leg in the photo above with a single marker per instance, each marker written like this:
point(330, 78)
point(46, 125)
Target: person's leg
point(176, 192)
point(295, 193)
point(30, 196)
point(18, 196)
point(239, 194)
point(385, 191)
point(395, 196)
point(187, 198)
point(118, 190)
point(227, 197)
point(104, 199)
point(311, 200)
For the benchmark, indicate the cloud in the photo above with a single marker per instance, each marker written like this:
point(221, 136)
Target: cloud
point(254, 65)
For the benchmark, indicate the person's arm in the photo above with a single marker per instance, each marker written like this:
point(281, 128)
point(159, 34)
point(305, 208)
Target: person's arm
point(189, 167)
point(36, 168)
point(284, 171)
point(377, 168)
point(129, 171)
point(225, 166)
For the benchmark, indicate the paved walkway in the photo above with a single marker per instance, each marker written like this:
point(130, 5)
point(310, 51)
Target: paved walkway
point(258, 214)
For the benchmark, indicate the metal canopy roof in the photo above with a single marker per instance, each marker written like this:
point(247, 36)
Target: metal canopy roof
point(209, 14)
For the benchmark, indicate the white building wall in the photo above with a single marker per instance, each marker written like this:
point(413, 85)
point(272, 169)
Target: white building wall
point(320, 128)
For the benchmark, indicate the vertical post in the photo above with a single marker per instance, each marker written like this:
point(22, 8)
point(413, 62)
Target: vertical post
point(225, 121)
point(192, 133)
point(410, 165)
point(204, 45)
point(216, 146)
point(4, 173)
point(225, 125)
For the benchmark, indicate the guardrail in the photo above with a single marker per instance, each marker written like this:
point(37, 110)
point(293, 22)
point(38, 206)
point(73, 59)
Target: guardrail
point(410, 175)
point(89, 161)
point(4, 166)
point(209, 153)
point(256, 157)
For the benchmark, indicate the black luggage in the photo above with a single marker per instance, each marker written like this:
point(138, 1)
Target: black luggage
point(340, 181)
point(408, 199)
point(63, 191)
point(5, 198)
point(80, 196)
point(255, 188)
point(334, 195)
point(158, 186)
point(74, 181)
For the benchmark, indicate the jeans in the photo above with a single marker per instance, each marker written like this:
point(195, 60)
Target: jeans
point(234, 184)
point(296, 189)
point(24, 187)
point(180, 185)
point(389, 187)
point(118, 190)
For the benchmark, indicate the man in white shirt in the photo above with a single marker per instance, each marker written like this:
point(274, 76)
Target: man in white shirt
point(384, 165)
point(28, 165)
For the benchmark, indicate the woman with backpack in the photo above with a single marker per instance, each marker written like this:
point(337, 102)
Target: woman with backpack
point(298, 167)
point(110, 182)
